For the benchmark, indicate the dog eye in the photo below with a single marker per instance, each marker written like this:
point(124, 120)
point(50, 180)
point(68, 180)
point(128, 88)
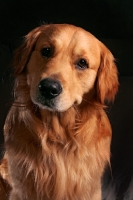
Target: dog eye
point(46, 52)
point(82, 64)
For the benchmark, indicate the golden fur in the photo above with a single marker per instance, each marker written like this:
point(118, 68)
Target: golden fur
point(58, 150)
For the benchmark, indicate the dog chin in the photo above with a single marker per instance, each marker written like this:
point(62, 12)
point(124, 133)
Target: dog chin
point(52, 108)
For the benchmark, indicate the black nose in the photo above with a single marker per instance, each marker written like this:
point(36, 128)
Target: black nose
point(49, 88)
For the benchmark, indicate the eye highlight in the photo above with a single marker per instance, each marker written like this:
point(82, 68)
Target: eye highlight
point(46, 52)
point(82, 64)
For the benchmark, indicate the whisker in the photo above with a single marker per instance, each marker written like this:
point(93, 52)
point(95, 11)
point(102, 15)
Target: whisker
point(77, 111)
point(19, 104)
point(87, 101)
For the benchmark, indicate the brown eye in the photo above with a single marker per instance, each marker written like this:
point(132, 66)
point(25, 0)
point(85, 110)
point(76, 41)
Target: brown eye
point(46, 52)
point(82, 64)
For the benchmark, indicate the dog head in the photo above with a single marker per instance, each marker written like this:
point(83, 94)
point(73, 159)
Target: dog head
point(62, 64)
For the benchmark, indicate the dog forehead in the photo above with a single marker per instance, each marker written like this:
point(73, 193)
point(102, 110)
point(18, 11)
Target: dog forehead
point(66, 36)
point(56, 34)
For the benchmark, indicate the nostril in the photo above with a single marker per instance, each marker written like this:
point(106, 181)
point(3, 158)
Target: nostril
point(49, 88)
point(54, 91)
point(43, 89)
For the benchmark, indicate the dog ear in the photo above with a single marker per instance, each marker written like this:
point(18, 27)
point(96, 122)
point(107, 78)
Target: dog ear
point(107, 77)
point(23, 53)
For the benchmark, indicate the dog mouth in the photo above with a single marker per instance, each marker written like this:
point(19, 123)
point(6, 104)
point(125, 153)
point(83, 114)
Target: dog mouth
point(46, 103)
point(51, 96)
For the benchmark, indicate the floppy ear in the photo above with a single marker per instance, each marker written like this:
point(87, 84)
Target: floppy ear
point(107, 77)
point(23, 53)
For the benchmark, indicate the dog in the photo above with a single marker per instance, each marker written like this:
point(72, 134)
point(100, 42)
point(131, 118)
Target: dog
point(57, 133)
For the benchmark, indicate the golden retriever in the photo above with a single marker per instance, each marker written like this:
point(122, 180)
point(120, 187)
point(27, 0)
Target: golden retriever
point(57, 135)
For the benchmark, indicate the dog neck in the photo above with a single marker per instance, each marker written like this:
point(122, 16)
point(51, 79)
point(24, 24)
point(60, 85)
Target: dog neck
point(66, 128)
point(59, 127)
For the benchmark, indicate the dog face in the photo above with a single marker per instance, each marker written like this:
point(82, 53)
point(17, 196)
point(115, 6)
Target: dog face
point(63, 63)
